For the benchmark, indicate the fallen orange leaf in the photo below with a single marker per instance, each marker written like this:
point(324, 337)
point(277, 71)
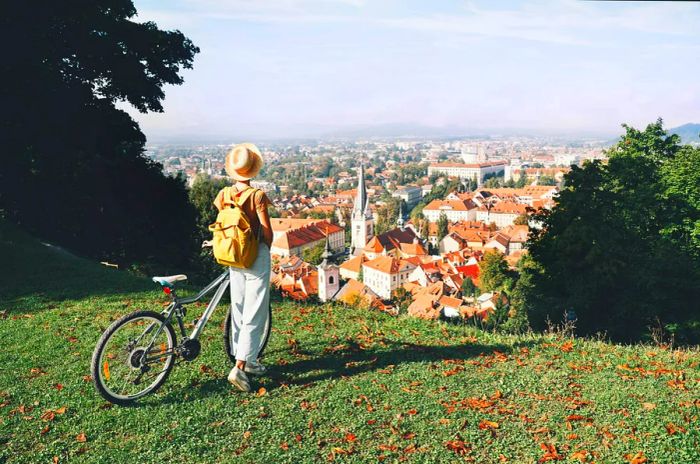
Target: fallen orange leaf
point(638, 458)
point(458, 446)
point(487, 424)
point(580, 455)
point(550, 453)
point(673, 429)
point(81, 438)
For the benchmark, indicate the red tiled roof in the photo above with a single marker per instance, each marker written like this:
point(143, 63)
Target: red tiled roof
point(385, 264)
point(450, 302)
point(413, 249)
point(449, 205)
point(306, 234)
point(471, 270)
point(353, 264)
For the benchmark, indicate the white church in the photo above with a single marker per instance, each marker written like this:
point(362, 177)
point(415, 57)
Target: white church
point(362, 223)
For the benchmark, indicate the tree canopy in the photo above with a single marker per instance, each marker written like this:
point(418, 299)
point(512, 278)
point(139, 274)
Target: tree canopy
point(621, 248)
point(74, 169)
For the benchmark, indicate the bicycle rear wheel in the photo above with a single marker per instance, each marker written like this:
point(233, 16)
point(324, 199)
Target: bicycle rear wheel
point(133, 357)
point(228, 345)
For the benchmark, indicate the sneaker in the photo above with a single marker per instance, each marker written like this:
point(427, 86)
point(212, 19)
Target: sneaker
point(238, 379)
point(255, 368)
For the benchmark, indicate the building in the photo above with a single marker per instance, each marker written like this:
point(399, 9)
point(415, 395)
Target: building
point(503, 213)
point(398, 242)
point(384, 274)
point(328, 277)
point(476, 171)
point(351, 268)
point(354, 292)
point(282, 225)
point(293, 242)
point(362, 221)
point(264, 185)
point(454, 210)
point(509, 240)
point(410, 194)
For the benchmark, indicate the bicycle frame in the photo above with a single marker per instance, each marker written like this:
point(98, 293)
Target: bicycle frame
point(222, 282)
point(176, 308)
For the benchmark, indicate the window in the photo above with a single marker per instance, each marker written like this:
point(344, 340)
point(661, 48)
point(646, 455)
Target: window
point(331, 280)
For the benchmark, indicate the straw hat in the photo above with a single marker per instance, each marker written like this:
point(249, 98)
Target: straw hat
point(244, 161)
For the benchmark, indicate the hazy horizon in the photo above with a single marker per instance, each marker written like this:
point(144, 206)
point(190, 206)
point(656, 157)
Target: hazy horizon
point(332, 68)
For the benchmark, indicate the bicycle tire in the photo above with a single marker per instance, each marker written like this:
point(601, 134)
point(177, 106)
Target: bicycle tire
point(97, 355)
point(227, 335)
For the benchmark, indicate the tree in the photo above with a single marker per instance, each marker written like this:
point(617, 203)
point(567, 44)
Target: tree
point(522, 181)
point(521, 220)
point(68, 150)
point(201, 195)
point(618, 248)
point(546, 180)
point(402, 299)
point(442, 227)
point(361, 274)
point(313, 255)
point(494, 272)
point(468, 288)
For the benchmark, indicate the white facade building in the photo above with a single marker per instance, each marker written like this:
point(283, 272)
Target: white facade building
point(468, 170)
point(328, 277)
point(384, 274)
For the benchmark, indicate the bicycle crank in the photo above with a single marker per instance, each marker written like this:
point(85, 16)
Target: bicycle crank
point(189, 349)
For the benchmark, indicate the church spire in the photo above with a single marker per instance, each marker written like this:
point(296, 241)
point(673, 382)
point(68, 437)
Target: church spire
point(326, 252)
point(361, 204)
point(399, 220)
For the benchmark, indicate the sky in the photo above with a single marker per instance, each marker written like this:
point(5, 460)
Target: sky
point(273, 69)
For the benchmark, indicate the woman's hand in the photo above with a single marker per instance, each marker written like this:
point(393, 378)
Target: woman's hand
point(207, 244)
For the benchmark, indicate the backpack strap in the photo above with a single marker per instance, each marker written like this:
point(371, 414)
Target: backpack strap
point(240, 197)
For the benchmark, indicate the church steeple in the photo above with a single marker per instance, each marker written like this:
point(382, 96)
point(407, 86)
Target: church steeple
point(328, 275)
point(326, 252)
point(361, 218)
point(399, 220)
point(360, 206)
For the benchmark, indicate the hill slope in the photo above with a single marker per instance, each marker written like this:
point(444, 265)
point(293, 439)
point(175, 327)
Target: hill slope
point(689, 133)
point(345, 385)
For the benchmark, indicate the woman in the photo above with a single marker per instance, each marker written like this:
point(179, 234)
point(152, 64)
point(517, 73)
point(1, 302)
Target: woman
point(250, 287)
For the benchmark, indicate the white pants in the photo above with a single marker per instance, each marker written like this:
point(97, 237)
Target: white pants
point(250, 299)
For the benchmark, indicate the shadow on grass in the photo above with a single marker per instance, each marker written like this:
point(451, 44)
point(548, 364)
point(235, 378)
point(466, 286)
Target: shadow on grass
point(312, 368)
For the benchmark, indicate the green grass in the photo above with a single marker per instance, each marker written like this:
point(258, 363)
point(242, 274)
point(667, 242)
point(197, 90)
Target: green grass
point(345, 385)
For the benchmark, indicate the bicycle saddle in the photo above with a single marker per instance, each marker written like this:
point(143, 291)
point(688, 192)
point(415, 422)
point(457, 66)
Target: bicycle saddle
point(169, 281)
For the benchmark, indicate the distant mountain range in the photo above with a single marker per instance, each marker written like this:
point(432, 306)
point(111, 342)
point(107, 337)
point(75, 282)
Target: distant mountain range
point(689, 133)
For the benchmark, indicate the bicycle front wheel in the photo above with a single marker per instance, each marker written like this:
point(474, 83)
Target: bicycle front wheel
point(133, 357)
point(228, 342)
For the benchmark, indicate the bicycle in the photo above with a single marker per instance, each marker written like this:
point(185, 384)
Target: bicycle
point(142, 346)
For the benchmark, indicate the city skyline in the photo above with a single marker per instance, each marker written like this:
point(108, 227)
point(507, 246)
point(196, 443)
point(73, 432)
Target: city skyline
point(311, 68)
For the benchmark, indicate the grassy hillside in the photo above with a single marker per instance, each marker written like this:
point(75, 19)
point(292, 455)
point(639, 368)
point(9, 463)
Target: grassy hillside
point(345, 385)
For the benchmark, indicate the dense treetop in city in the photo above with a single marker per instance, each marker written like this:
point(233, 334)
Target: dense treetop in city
point(629, 231)
point(73, 169)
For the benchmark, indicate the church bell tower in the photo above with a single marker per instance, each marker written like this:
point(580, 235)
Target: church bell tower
point(362, 221)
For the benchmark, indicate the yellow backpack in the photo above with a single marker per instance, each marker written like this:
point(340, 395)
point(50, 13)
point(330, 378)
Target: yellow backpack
point(234, 242)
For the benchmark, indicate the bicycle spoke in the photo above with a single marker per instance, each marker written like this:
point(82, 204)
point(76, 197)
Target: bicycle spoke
point(123, 357)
